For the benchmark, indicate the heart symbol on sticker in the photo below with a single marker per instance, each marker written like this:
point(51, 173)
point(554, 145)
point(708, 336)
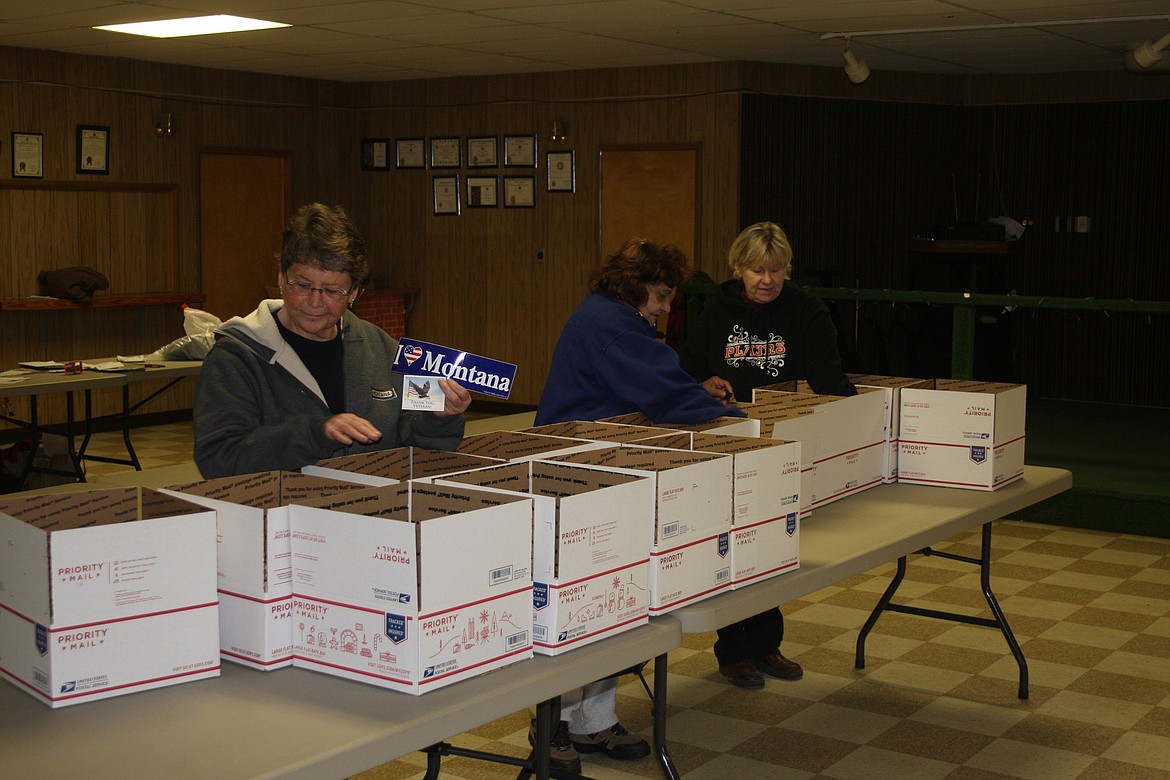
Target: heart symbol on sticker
point(412, 354)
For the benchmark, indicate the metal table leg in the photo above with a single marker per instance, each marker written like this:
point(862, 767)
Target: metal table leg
point(999, 621)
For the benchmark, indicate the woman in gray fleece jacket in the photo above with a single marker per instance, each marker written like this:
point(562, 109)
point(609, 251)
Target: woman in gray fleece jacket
point(302, 378)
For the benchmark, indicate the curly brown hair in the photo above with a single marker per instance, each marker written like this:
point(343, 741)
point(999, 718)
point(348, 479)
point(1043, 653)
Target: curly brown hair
point(638, 263)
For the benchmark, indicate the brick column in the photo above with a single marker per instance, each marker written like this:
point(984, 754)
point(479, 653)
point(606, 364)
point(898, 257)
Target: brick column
point(388, 309)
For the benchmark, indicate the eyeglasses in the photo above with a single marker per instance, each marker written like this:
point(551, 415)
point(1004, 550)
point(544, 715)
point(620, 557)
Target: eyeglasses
point(299, 289)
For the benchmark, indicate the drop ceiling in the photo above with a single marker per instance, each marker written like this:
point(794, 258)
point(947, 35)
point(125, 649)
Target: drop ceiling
point(419, 39)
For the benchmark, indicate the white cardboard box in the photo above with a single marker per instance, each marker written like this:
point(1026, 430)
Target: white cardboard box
point(103, 594)
point(255, 562)
point(765, 529)
point(891, 389)
point(842, 439)
point(690, 543)
point(590, 555)
point(514, 445)
point(597, 431)
point(962, 434)
point(412, 587)
point(389, 467)
point(731, 426)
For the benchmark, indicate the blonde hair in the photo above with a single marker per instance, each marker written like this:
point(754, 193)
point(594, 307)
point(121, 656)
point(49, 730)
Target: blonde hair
point(762, 245)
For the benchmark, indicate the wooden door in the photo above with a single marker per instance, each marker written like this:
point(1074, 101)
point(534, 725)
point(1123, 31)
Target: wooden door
point(652, 193)
point(244, 201)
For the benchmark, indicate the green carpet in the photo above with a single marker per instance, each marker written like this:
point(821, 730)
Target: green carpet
point(1119, 459)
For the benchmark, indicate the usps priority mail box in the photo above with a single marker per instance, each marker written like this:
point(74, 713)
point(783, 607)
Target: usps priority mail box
point(765, 523)
point(690, 544)
point(962, 434)
point(255, 558)
point(106, 592)
point(731, 426)
point(412, 587)
point(389, 467)
point(842, 438)
point(597, 430)
point(516, 445)
point(590, 548)
point(891, 389)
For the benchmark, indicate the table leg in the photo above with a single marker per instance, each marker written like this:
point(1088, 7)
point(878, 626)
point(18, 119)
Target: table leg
point(999, 621)
point(882, 605)
point(659, 707)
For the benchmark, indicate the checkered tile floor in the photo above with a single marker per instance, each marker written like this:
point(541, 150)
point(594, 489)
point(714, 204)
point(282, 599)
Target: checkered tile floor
point(936, 699)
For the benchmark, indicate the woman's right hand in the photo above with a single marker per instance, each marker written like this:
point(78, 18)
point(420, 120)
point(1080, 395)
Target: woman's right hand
point(718, 387)
point(348, 428)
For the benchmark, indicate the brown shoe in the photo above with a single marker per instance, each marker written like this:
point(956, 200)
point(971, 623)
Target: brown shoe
point(776, 665)
point(743, 675)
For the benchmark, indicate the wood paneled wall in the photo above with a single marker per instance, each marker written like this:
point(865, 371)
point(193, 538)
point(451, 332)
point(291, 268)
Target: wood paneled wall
point(481, 285)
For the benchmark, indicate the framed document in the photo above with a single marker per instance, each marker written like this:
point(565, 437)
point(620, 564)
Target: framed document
point(411, 153)
point(375, 154)
point(481, 153)
point(520, 151)
point(446, 195)
point(481, 192)
point(562, 172)
point(519, 192)
point(27, 155)
point(445, 153)
point(93, 149)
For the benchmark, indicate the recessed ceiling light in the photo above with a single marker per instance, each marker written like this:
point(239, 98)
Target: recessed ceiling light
point(195, 25)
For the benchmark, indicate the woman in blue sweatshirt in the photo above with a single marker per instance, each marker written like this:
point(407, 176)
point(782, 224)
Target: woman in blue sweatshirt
point(609, 361)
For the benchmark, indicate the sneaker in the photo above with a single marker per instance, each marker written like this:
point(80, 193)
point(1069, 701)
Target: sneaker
point(614, 741)
point(561, 754)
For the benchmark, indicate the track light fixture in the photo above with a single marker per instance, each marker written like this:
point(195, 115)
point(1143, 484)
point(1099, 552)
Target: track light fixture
point(855, 69)
point(1149, 53)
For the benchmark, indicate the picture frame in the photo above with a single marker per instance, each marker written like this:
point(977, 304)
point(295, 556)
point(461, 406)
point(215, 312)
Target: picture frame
point(520, 151)
point(28, 156)
point(445, 152)
point(93, 149)
point(410, 152)
point(481, 152)
point(520, 192)
point(446, 195)
point(561, 171)
point(375, 154)
point(483, 192)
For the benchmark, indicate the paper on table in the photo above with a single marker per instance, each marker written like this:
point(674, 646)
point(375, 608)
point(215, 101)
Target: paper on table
point(42, 365)
point(112, 365)
point(131, 358)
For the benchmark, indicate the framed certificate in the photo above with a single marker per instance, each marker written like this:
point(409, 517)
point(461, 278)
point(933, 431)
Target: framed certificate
point(520, 151)
point(481, 153)
point(519, 192)
point(411, 152)
point(481, 192)
point(93, 149)
point(445, 153)
point(27, 155)
point(375, 154)
point(562, 172)
point(446, 195)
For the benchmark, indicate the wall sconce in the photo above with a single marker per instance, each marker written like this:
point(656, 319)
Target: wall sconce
point(166, 127)
point(855, 69)
point(559, 132)
point(1147, 54)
